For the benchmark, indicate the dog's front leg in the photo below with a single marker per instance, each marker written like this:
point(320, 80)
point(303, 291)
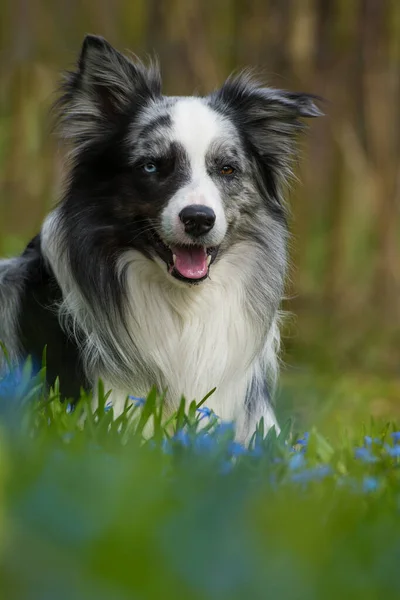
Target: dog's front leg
point(257, 406)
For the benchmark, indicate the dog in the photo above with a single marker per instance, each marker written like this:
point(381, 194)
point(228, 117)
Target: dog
point(164, 262)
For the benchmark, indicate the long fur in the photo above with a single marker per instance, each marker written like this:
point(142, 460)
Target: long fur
point(100, 277)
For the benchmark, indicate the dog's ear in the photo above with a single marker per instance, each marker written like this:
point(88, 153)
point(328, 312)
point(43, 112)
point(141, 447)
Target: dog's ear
point(105, 85)
point(268, 118)
point(255, 104)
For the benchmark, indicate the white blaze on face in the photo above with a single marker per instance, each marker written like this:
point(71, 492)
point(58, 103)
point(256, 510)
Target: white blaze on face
point(195, 127)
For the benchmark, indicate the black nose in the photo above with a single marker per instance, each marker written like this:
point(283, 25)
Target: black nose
point(197, 219)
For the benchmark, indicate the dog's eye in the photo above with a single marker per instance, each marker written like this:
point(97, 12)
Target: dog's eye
point(150, 168)
point(227, 170)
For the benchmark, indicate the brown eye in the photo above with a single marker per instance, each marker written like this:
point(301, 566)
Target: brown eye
point(227, 170)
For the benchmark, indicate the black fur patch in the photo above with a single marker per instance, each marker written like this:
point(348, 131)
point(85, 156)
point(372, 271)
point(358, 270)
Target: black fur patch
point(39, 325)
point(112, 206)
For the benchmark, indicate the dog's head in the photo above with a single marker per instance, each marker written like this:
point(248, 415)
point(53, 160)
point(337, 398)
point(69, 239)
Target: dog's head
point(178, 178)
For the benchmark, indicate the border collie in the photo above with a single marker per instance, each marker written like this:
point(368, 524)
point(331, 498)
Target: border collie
point(164, 262)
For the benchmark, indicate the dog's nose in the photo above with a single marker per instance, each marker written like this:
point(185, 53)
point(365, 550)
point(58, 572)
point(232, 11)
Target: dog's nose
point(197, 219)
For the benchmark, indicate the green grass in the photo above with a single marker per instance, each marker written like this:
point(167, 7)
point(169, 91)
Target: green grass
point(90, 508)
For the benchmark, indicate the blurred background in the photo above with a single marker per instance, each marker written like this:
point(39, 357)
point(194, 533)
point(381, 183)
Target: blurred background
point(343, 332)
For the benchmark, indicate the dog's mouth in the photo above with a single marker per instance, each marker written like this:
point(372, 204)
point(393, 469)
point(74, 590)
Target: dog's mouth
point(186, 263)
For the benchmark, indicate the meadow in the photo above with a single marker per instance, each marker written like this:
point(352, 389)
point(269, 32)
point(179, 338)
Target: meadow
point(90, 508)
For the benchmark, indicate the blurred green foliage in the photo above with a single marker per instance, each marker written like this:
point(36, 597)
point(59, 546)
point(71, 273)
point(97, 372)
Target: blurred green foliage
point(91, 509)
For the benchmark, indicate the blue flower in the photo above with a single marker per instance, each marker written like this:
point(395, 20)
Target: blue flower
point(137, 401)
point(224, 428)
point(166, 446)
point(182, 437)
point(370, 484)
point(393, 451)
point(367, 440)
point(304, 440)
point(204, 411)
point(396, 437)
point(257, 451)
point(236, 449)
point(365, 455)
point(204, 442)
point(317, 473)
point(108, 406)
point(9, 384)
point(297, 462)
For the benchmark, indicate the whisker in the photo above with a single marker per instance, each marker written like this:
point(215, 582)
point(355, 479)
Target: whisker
point(141, 232)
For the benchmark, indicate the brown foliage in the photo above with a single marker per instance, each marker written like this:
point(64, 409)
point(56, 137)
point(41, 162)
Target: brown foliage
point(346, 208)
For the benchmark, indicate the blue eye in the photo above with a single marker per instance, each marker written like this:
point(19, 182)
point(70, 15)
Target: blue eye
point(150, 168)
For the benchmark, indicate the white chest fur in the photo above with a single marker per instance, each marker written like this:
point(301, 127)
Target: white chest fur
point(192, 339)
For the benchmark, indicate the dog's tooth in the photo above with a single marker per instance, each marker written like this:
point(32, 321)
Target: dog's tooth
point(174, 258)
point(208, 260)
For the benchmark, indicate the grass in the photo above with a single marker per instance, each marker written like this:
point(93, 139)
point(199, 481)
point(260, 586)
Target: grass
point(90, 508)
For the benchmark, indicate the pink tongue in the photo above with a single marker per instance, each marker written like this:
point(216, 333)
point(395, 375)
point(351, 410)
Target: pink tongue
point(191, 262)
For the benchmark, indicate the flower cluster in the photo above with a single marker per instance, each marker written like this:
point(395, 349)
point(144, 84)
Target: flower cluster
point(376, 450)
point(199, 434)
point(211, 438)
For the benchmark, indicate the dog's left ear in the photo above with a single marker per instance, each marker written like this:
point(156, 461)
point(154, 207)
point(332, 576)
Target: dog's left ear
point(104, 86)
point(268, 118)
point(255, 103)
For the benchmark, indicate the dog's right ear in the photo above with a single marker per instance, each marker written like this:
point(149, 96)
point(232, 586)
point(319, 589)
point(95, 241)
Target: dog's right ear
point(105, 85)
